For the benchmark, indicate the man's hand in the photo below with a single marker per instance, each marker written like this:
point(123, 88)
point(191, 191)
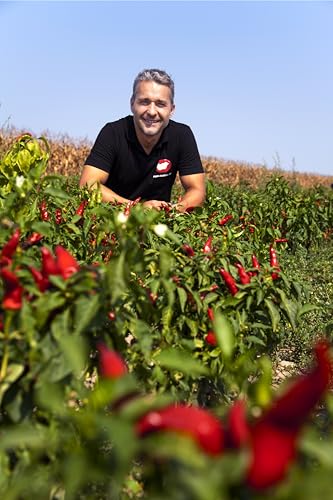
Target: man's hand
point(157, 204)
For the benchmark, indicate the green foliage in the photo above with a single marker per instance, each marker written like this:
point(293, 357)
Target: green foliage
point(66, 432)
point(23, 165)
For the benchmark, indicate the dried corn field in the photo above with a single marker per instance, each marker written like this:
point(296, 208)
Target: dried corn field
point(68, 157)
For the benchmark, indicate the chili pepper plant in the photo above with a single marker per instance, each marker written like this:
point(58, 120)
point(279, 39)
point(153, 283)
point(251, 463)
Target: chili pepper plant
point(136, 346)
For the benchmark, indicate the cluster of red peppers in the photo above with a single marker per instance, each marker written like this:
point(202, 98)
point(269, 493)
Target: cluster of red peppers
point(13, 290)
point(271, 439)
point(58, 217)
point(130, 205)
point(211, 337)
point(62, 264)
point(246, 276)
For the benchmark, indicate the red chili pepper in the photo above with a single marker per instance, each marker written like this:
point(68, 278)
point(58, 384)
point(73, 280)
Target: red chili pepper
point(128, 208)
point(80, 210)
point(111, 315)
point(274, 263)
point(279, 427)
point(58, 216)
point(281, 240)
point(189, 250)
point(33, 239)
point(214, 287)
point(136, 201)
point(12, 298)
point(203, 427)
point(255, 262)
point(10, 247)
point(111, 364)
point(208, 245)
point(224, 220)
point(66, 263)
point(237, 432)
point(49, 264)
point(243, 276)
point(5, 262)
point(210, 313)
point(211, 338)
point(151, 296)
point(43, 211)
point(41, 281)
point(229, 281)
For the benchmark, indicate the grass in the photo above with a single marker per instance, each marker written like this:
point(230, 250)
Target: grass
point(313, 270)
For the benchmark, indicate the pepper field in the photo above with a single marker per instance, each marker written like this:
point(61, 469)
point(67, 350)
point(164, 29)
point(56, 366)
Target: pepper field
point(144, 354)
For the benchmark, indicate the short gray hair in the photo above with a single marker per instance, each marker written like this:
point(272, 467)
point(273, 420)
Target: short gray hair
point(154, 75)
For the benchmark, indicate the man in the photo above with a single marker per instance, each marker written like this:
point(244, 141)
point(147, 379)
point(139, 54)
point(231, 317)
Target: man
point(140, 155)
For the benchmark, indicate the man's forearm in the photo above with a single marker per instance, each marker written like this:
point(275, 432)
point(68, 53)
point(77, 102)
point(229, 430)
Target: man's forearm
point(111, 196)
point(107, 194)
point(191, 198)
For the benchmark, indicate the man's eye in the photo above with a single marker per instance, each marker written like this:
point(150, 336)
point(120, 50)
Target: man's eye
point(145, 102)
point(161, 104)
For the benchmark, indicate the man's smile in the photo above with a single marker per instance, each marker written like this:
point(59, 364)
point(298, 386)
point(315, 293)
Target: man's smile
point(149, 121)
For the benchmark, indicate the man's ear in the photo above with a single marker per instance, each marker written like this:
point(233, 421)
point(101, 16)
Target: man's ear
point(173, 109)
point(131, 103)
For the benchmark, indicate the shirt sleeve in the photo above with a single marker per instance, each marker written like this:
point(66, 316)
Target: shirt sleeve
point(189, 161)
point(102, 153)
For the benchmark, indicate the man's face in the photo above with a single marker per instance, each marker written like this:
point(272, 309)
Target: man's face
point(151, 108)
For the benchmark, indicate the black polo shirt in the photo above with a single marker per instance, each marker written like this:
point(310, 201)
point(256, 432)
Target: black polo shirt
point(133, 172)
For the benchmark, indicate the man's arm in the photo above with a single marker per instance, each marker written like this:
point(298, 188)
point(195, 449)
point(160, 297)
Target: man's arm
point(195, 191)
point(92, 176)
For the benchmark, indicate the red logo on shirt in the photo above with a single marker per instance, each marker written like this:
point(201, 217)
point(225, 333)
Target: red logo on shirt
point(163, 166)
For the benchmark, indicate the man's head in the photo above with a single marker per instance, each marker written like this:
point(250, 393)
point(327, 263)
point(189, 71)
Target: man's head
point(154, 75)
point(152, 104)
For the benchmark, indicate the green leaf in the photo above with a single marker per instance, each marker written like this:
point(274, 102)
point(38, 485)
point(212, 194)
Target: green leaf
point(256, 340)
point(192, 325)
point(61, 325)
point(290, 307)
point(57, 193)
point(274, 314)
point(181, 361)
point(57, 368)
point(46, 304)
point(141, 405)
point(260, 296)
point(182, 295)
point(249, 302)
point(86, 309)
point(75, 352)
point(224, 332)
point(166, 261)
point(116, 277)
point(43, 228)
point(318, 449)
point(22, 435)
point(169, 288)
point(143, 332)
point(305, 308)
point(51, 397)
point(14, 371)
point(167, 313)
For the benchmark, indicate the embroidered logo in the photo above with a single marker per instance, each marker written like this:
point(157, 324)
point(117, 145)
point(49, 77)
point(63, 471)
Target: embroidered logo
point(163, 168)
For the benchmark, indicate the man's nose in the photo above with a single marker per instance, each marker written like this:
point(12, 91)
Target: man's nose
point(152, 109)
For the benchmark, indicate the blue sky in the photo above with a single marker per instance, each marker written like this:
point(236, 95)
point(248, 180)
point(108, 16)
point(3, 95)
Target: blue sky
point(254, 80)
